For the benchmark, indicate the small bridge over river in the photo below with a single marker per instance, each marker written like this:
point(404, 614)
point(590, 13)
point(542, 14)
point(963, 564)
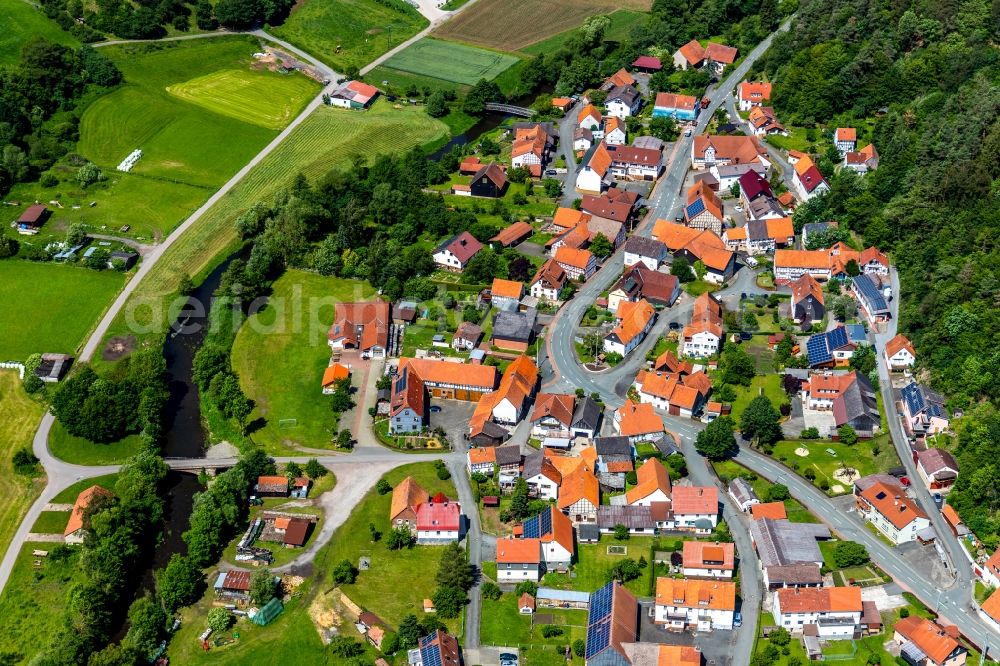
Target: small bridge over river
point(510, 108)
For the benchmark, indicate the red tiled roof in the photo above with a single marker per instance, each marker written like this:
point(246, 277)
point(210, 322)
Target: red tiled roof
point(580, 484)
point(335, 373)
point(720, 53)
point(695, 499)
point(929, 636)
point(736, 149)
point(647, 62)
point(445, 516)
point(551, 274)
point(514, 233)
point(406, 495)
point(632, 319)
point(772, 510)
point(804, 287)
point(992, 606)
point(372, 318)
point(820, 599)
point(675, 101)
point(693, 52)
point(555, 405)
point(897, 508)
point(755, 91)
point(847, 134)
point(706, 555)
point(652, 476)
point(83, 501)
point(898, 343)
point(690, 593)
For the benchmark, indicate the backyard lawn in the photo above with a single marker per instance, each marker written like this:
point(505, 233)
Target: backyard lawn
point(729, 469)
point(769, 385)
point(51, 522)
point(502, 625)
point(19, 417)
point(594, 562)
point(280, 355)
point(56, 306)
point(860, 457)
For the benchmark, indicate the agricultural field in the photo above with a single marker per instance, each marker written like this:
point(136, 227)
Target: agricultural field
point(449, 61)
point(622, 22)
point(19, 417)
point(198, 111)
point(350, 33)
point(19, 23)
point(280, 359)
point(56, 306)
point(328, 140)
point(512, 25)
point(236, 93)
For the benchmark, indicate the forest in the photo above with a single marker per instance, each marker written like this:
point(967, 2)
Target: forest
point(926, 77)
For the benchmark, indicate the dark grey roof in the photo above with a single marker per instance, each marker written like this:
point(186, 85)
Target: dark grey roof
point(508, 455)
point(612, 481)
point(814, 227)
point(645, 247)
point(587, 414)
point(741, 490)
point(866, 482)
point(383, 394)
point(650, 142)
point(494, 430)
point(780, 542)
point(860, 406)
point(666, 446)
point(514, 325)
point(756, 229)
point(611, 446)
point(587, 532)
point(123, 254)
point(633, 517)
point(761, 206)
point(737, 170)
point(533, 464)
point(627, 94)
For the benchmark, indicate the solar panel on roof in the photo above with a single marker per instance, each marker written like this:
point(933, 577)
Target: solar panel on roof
point(531, 528)
point(598, 638)
point(431, 656)
point(817, 350)
point(545, 523)
point(837, 338)
point(695, 207)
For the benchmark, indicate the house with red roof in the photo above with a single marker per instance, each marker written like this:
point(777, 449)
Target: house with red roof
point(439, 521)
point(846, 139)
point(408, 403)
point(552, 415)
point(361, 326)
point(937, 468)
point(76, 527)
point(454, 253)
point(927, 643)
point(652, 484)
point(333, 375)
point(678, 107)
point(989, 612)
point(676, 395)
point(753, 93)
point(696, 508)
point(640, 282)
point(892, 513)
point(638, 421)
point(354, 95)
point(835, 612)
point(990, 572)
point(702, 337)
point(577, 263)
point(647, 64)
point(633, 323)
point(701, 605)
point(899, 353)
point(703, 559)
point(548, 281)
point(862, 161)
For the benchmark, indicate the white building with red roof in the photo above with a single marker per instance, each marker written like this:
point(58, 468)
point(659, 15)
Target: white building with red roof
point(361, 326)
point(696, 508)
point(704, 559)
point(455, 253)
point(519, 560)
point(899, 353)
point(753, 93)
point(439, 521)
point(354, 95)
point(892, 513)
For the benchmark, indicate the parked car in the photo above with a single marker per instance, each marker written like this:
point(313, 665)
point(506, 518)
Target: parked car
point(550, 172)
point(737, 620)
point(687, 132)
point(435, 408)
point(675, 325)
point(938, 500)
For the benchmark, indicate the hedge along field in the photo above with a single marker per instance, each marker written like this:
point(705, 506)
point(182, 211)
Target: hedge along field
point(511, 25)
point(328, 139)
point(346, 33)
point(450, 61)
point(20, 22)
point(237, 94)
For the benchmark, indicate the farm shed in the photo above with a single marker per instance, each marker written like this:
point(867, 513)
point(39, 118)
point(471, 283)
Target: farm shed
point(548, 597)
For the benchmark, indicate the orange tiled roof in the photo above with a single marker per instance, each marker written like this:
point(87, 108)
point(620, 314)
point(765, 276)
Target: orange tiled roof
point(638, 419)
point(621, 78)
point(695, 499)
point(632, 319)
point(600, 159)
point(897, 508)
point(334, 373)
point(83, 501)
point(690, 593)
point(804, 287)
point(847, 134)
point(562, 529)
point(720, 53)
point(513, 233)
point(780, 227)
point(668, 361)
point(737, 149)
point(519, 551)
point(820, 599)
point(581, 484)
point(589, 110)
point(678, 655)
point(565, 464)
point(804, 164)
point(992, 606)
point(406, 495)
point(445, 372)
point(707, 555)
point(736, 233)
point(772, 510)
point(507, 288)
point(589, 455)
point(482, 455)
point(929, 636)
point(557, 405)
point(693, 52)
point(674, 236)
point(652, 476)
point(562, 102)
point(699, 381)
point(551, 274)
point(568, 218)
point(814, 259)
point(755, 91)
point(569, 256)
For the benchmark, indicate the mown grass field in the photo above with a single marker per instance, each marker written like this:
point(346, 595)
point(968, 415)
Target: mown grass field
point(51, 522)
point(328, 140)
point(280, 358)
point(622, 22)
point(450, 61)
point(860, 457)
point(32, 602)
point(345, 33)
point(81, 451)
point(51, 307)
point(237, 93)
point(19, 23)
point(512, 25)
point(19, 417)
point(192, 141)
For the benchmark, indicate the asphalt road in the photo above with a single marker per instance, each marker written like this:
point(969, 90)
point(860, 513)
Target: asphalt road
point(567, 127)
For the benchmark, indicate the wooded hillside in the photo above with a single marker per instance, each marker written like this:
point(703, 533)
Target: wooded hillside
point(927, 74)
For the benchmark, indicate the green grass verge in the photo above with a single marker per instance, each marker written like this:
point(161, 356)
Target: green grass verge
point(80, 451)
point(19, 417)
point(699, 287)
point(281, 359)
point(51, 522)
point(450, 61)
point(20, 22)
point(729, 469)
point(33, 601)
point(327, 140)
point(69, 495)
point(55, 306)
point(350, 33)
